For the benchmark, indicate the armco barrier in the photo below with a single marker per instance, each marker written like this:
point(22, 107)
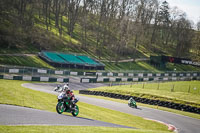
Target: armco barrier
point(1, 76)
point(52, 79)
point(30, 78)
point(90, 73)
point(35, 79)
point(106, 80)
point(141, 75)
point(88, 80)
point(167, 104)
point(17, 78)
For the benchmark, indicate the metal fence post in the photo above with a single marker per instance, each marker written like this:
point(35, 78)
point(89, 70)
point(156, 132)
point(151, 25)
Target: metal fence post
point(4, 70)
point(23, 70)
point(32, 71)
point(158, 86)
point(172, 89)
point(189, 89)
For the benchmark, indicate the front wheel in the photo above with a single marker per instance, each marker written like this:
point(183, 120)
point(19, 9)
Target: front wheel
point(76, 112)
point(60, 108)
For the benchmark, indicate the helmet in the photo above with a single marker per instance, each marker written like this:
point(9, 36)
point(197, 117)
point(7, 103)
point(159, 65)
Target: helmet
point(66, 86)
point(58, 86)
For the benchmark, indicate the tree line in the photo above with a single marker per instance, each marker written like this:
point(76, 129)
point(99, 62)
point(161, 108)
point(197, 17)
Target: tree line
point(122, 26)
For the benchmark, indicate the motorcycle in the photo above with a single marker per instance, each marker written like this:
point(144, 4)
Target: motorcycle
point(132, 103)
point(64, 104)
point(58, 88)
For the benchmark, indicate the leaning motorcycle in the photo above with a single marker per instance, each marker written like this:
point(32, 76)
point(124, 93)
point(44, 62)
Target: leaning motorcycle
point(132, 103)
point(65, 106)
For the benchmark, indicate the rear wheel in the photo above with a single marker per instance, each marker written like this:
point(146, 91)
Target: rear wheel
point(136, 106)
point(76, 112)
point(60, 108)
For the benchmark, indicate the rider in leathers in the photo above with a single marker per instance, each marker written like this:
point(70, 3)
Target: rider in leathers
point(69, 94)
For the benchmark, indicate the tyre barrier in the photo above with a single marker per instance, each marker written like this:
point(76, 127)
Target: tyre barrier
point(166, 104)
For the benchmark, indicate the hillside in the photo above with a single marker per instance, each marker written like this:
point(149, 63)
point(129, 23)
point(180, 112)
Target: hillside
point(30, 27)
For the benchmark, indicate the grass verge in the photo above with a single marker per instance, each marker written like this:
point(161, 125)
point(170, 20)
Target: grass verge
point(13, 93)
point(197, 116)
point(184, 92)
point(124, 66)
point(35, 61)
point(71, 129)
point(30, 61)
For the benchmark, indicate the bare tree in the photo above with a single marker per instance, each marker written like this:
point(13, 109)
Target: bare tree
point(72, 14)
point(164, 22)
point(198, 26)
point(47, 12)
point(196, 42)
point(56, 11)
point(184, 35)
point(155, 23)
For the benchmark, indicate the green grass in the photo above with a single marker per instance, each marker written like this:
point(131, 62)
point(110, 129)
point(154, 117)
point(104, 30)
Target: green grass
point(146, 66)
point(30, 61)
point(35, 61)
point(55, 30)
point(130, 66)
point(180, 67)
point(71, 129)
point(27, 48)
point(161, 91)
point(197, 116)
point(13, 93)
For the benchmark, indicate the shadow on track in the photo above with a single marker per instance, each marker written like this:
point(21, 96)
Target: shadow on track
point(65, 115)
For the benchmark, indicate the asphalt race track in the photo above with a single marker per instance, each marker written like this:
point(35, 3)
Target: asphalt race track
point(15, 115)
point(184, 124)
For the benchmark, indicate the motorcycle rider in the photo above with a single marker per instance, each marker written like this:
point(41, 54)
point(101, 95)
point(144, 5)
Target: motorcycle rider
point(57, 88)
point(70, 95)
point(131, 102)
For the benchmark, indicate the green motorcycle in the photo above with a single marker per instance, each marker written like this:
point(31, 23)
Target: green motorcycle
point(65, 106)
point(132, 103)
